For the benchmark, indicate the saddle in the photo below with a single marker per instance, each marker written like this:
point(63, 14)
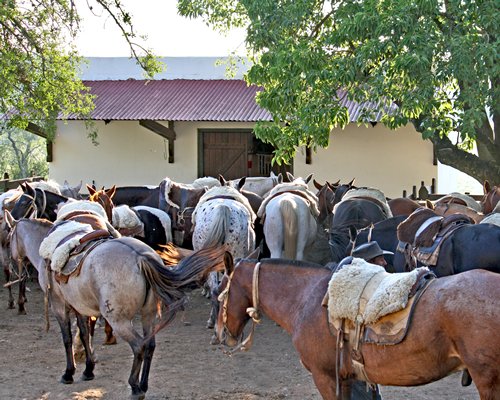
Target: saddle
point(355, 320)
point(425, 232)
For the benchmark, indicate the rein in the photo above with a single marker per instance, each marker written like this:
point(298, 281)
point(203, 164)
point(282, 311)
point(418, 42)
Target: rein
point(253, 311)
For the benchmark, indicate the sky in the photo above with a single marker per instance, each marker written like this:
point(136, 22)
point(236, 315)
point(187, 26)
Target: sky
point(169, 34)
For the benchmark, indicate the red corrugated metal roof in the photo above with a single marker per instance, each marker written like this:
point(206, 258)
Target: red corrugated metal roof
point(192, 100)
point(176, 100)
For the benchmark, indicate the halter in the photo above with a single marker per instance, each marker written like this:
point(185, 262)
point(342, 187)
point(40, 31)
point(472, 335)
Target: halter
point(253, 311)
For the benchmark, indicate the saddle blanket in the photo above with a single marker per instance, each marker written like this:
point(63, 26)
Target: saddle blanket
point(363, 293)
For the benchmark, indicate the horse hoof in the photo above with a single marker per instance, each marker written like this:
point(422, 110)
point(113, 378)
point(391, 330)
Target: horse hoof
point(111, 341)
point(214, 340)
point(210, 325)
point(21, 312)
point(88, 377)
point(138, 396)
point(11, 306)
point(67, 380)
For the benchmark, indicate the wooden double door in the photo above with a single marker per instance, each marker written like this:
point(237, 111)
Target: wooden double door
point(234, 154)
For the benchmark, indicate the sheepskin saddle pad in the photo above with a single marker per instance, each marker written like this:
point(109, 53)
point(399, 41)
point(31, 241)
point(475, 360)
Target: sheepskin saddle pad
point(363, 293)
point(65, 239)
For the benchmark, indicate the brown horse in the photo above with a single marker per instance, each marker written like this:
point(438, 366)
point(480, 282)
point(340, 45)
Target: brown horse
point(402, 206)
point(491, 198)
point(455, 325)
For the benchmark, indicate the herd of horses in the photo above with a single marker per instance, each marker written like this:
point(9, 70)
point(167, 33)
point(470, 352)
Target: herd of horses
point(262, 245)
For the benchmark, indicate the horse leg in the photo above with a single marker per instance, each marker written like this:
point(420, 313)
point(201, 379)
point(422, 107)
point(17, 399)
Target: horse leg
point(108, 330)
point(326, 385)
point(125, 330)
point(84, 328)
point(6, 270)
point(63, 319)
point(21, 300)
point(150, 345)
point(212, 283)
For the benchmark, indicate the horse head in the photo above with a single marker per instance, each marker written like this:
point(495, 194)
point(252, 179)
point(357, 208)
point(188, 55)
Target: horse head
point(104, 198)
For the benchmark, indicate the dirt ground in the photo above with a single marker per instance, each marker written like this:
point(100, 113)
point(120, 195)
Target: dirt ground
point(185, 365)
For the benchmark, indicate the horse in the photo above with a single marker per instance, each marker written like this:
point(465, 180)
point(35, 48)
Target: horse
point(352, 213)
point(471, 246)
point(223, 216)
point(402, 206)
point(289, 213)
point(460, 198)
point(148, 224)
point(438, 343)
point(260, 185)
point(42, 203)
point(491, 198)
point(448, 208)
point(118, 279)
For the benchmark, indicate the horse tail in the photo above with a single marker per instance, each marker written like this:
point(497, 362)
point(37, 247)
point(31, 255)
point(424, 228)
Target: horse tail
point(291, 228)
point(216, 234)
point(171, 283)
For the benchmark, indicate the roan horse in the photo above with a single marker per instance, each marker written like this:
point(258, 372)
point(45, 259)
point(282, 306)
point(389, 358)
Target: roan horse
point(438, 343)
point(289, 213)
point(118, 279)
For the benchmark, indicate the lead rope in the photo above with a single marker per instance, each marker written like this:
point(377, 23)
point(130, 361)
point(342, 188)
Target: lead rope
point(253, 312)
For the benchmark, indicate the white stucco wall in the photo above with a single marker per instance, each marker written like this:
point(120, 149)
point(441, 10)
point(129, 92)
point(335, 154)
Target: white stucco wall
point(375, 156)
point(129, 154)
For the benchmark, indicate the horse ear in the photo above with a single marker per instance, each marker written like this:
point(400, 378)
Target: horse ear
point(429, 204)
point(111, 192)
point(280, 178)
point(317, 185)
point(228, 262)
point(486, 187)
point(222, 181)
point(351, 183)
point(353, 234)
point(241, 183)
point(78, 187)
point(309, 177)
point(290, 177)
point(91, 189)
point(28, 189)
point(254, 255)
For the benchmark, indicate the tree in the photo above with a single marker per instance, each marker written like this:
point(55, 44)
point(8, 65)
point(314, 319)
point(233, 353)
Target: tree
point(436, 60)
point(39, 64)
point(23, 154)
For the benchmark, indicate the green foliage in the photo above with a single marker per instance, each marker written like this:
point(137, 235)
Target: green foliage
point(436, 60)
point(23, 154)
point(39, 66)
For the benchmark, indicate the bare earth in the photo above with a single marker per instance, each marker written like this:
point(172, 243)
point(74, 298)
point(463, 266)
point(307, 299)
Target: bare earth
point(185, 365)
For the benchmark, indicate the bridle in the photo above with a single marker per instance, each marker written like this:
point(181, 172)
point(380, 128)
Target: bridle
point(252, 311)
point(32, 207)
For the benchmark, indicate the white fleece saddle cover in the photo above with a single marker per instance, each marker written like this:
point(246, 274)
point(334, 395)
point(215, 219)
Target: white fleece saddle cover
point(363, 293)
point(59, 243)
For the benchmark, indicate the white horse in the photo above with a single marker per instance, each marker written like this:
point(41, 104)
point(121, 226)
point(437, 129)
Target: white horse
point(290, 214)
point(223, 216)
point(260, 185)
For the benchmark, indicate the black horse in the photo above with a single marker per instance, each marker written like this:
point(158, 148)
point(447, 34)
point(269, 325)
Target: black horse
point(472, 246)
point(352, 213)
point(41, 203)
